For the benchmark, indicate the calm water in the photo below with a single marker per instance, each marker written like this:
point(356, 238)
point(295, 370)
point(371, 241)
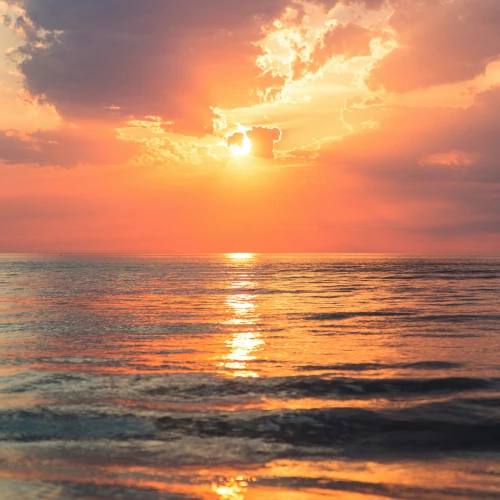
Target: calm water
point(249, 377)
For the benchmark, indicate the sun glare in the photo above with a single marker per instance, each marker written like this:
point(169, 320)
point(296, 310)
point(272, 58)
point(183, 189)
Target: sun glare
point(243, 149)
point(241, 256)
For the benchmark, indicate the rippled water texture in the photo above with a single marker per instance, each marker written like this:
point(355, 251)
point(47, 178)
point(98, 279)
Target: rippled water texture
point(246, 377)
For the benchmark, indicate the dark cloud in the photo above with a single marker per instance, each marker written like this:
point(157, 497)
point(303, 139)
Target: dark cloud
point(66, 147)
point(263, 140)
point(475, 228)
point(168, 58)
point(236, 139)
point(440, 41)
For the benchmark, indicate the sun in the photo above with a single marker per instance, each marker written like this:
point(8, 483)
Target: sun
point(242, 149)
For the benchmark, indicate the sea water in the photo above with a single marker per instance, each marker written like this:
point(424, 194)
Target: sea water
point(243, 377)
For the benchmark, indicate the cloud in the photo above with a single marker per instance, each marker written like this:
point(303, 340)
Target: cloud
point(236, 139)
point(111, 60)
point(263, 140)
point(405, 136)
point(439, 42)
point(369, 4)
point(342, 40)
point(65, 147)
point(433, 170)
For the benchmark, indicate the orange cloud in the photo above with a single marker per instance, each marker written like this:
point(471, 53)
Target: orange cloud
point(438, 42)
point(65, 147)
point(263, 140)
point(236, 139)
point(343, 40)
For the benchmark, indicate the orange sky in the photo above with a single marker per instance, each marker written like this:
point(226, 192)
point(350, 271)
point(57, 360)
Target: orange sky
point(266, 126)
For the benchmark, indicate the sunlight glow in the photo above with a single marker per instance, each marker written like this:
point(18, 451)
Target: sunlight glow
point(241, 256)
point(242, 150)
point(230, 489)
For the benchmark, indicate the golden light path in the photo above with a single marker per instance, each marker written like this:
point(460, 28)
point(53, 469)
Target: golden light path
point(242, 309)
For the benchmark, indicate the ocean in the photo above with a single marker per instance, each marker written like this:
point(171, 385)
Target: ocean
point(249, 377)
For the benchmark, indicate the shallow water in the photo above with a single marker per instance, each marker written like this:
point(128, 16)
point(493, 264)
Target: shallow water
point(246, 377)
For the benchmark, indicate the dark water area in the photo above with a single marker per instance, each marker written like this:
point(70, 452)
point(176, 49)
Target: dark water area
point(244, 377)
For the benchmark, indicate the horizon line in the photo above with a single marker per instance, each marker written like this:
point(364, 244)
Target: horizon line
point(252, 254)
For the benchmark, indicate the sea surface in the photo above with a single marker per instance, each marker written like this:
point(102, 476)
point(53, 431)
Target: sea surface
point(249, 377)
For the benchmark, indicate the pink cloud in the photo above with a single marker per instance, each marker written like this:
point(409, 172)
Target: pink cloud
point(440, 42)
point(65, 147)
point(343, 40)
point(435, 169)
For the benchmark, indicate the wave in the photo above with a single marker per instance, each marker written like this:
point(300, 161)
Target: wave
point(48, 424)
point(189, 387)
point(317, 387)
point(457, 425)
point(408, 315)
point(358, 367)
point(435, 426)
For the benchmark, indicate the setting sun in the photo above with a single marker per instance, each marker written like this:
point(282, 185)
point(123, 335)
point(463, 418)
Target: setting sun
point(242, 149)
point(240, 256)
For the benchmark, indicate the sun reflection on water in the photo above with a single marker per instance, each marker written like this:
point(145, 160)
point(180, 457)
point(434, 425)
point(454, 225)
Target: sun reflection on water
point(241, 305)
point(242, 315)
point(242, 345)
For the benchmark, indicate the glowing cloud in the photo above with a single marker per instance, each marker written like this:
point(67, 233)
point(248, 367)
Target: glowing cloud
point(239, 144)
point(263, 140)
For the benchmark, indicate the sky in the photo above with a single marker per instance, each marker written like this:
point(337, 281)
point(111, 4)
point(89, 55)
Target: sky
point(206, 126)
